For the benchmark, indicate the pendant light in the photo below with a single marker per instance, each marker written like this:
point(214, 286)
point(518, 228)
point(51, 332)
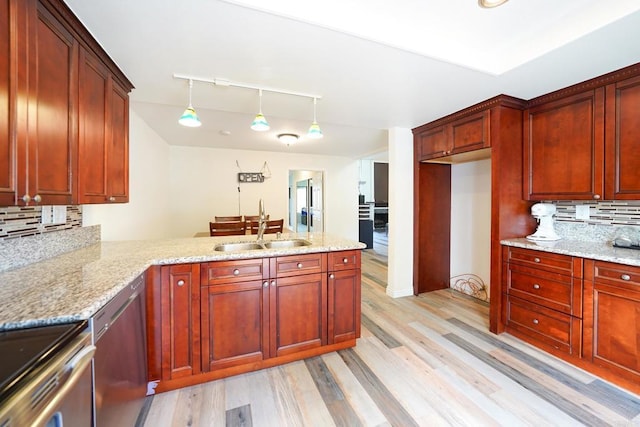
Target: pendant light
point(260, 122)
point(189, 118)
point(488, 4)
point(314, 129)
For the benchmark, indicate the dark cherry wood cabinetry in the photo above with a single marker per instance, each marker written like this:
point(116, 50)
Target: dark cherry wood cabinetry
point(612, 319)
point(251, 314)
point(544, 299)
point(57, 119)
point(581, 141)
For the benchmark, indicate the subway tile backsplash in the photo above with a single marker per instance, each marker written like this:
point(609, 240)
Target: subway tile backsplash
point(17, 222)
point(604, 219)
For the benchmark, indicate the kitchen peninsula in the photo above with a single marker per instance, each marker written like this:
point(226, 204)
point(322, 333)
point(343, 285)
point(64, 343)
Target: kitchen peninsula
point(292, 302)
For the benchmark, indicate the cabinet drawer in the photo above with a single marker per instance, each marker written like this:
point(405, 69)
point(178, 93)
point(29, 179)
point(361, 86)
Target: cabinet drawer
point(344, 260)
point(544, 327)
point(220, 272)
point(616, 274)
point(551, 290)
point(298, 264)
point(557, 263)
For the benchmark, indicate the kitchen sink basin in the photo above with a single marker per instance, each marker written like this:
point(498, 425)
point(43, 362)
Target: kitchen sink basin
point(242, 246)
point(279, 244)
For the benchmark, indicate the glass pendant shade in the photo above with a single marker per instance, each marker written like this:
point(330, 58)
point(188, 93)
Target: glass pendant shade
point(189, 118)
point(314, 131)
point(260, 123)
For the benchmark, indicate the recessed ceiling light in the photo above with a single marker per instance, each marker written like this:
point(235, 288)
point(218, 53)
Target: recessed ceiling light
point(488, 4)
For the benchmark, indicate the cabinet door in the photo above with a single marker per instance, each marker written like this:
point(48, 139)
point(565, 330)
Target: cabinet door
point(434, 142)
point(180, 307)
point(235, 318)
point(8, 190)
point(470, 133)
point(298, 313)
point(52, 113)
point(564, 148)
point(614, 314)
point(622, 145)
point(344, 305)
point(118, 145)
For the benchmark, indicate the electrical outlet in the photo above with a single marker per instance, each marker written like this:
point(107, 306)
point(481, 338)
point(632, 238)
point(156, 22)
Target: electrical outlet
point(46, 215)
point(59, 214)
point(582, 212)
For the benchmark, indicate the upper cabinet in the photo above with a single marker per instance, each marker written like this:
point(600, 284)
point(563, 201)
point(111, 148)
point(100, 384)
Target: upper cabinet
point(67, 104)
point(580, 143)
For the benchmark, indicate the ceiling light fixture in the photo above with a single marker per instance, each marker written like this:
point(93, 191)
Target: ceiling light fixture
point(189, 118)
point(260, 122)
point(314, 130)
point(488, 4)
point(288, 138)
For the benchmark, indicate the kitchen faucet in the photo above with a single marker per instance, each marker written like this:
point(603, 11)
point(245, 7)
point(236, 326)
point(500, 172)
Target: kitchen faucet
point(262, 225)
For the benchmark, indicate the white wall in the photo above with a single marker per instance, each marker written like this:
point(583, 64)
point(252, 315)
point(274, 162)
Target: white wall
point(471, 219)
point(204, 184)
point(145, 216)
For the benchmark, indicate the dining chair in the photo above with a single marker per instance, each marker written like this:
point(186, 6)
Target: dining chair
point(250, 218)
point(228, 218)
point(272, 226)
point(233, 228)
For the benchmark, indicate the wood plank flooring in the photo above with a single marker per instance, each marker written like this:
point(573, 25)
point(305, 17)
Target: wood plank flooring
point(421, 361)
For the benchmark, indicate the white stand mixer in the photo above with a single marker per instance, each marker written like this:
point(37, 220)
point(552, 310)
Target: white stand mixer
point(543, 213)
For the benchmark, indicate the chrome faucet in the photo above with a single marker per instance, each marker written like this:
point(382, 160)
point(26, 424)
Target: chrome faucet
point(262, 225)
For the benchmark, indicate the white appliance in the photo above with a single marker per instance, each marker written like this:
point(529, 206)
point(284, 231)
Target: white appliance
point(543, 213)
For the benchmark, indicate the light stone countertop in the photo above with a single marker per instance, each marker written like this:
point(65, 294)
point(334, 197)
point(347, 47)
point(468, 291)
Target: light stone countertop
point(602, 251)
point(75, 285)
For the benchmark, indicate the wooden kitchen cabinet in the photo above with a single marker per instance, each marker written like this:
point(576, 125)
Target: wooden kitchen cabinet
point(612, 319)
point(344, 296)
point(544, 299)
point(45, 50)
point(462, 135)
point(622, 171)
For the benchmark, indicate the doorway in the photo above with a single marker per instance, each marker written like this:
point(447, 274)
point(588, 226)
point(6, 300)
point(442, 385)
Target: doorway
point(306, 201)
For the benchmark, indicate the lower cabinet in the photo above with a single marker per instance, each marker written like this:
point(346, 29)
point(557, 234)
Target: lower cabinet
point(227, 317)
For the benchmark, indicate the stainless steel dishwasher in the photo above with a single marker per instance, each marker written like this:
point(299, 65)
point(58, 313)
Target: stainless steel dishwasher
point(120, 362)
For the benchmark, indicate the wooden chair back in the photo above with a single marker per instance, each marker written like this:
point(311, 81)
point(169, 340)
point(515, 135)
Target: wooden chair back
point(234, 228)
point(250, 218)
point(273, 226)
point(229, 218)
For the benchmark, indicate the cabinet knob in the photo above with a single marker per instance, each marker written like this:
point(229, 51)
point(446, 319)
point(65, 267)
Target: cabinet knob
point(112, 199)
point(273, 283)
point(299, 265)
point(535, 321)
point(536, 260)
point(265, 284)
point(180, 282)
point(331, 276)
point(37, 198)
point(625, 277)
point(26, 198)
point(345, 260)
point(236, 272)
point(536, 286)
point(596, 196)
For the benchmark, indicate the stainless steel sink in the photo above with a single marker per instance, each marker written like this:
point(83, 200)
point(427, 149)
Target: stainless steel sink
point(242, 246)
point(279, 244)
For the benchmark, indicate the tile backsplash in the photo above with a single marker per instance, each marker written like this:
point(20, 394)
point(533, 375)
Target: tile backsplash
point(17, 222)
point(604, 219)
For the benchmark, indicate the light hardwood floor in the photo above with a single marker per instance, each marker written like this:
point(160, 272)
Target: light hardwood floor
point(421, 361)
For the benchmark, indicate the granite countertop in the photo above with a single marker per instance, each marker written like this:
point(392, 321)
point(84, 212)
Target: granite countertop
point(75, 285)
point(603, 251)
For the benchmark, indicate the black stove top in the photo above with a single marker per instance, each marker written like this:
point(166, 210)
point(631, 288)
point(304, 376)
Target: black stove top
point(23, 350)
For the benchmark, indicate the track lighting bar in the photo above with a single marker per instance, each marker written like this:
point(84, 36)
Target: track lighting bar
point(224, 82)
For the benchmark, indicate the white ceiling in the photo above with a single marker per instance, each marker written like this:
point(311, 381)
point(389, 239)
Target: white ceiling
point(377, 64)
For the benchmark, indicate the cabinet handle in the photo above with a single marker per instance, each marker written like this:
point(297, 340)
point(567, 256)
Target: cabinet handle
point(37, 198)
point(26, 198)
point(596, 196)
point(536, 286)
point(236, 272)
point(536, 260)
point(273, 283)
point(345, 260)
point(265, 284)
point(331, 276)
point(535, 321)
point(625, 277)
point(299, 265)
point(180, 282)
